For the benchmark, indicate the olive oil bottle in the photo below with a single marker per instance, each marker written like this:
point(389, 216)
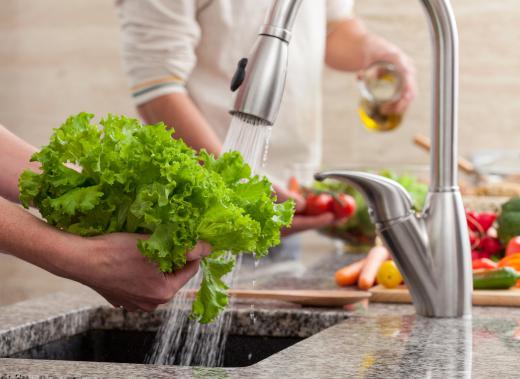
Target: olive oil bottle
point(380, 85)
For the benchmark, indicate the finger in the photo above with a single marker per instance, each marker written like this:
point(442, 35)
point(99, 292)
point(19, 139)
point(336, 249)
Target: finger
point(403, 104)
point(301, 223)
point(399, 106)
point(299, 203)
point(340, 221)
point(201, 250)
point(179, 278)
point(147, 307)
point(283, 195)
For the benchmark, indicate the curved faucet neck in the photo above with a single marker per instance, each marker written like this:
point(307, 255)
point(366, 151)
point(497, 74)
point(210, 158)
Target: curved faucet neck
point(445, 91)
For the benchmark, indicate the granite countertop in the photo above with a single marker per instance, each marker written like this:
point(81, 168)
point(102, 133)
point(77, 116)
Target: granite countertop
point(385, 341)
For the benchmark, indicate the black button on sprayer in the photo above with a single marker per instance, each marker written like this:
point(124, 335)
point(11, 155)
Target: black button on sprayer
point(239, 75)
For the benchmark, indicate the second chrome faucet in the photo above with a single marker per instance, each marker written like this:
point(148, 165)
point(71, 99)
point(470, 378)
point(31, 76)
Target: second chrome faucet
point(431, 249)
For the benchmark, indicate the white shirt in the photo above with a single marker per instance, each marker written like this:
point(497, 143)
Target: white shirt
point(194, 46)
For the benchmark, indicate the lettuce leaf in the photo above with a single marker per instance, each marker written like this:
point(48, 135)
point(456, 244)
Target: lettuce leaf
point(136, 178)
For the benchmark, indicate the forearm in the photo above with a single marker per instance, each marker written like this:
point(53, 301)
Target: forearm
point(350, 46)
point(16, 154)
point(32, 240)
point(178, 111)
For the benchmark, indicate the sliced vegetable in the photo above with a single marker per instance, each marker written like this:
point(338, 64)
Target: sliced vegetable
point(376, 256)
point(473, 224)
point(486, 220)
point(513, 247)
point(349, 275)
point(318, 204)
point(474, 239)
point(344, 206)
point(484, 263)
point(501, 278)
point(389, 275)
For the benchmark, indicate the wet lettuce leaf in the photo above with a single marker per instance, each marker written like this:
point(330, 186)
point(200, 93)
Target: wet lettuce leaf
point(137, 178)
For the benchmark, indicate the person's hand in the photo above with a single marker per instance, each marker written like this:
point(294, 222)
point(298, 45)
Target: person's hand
point(303, 222)
point(406, 69)
point(125, 278)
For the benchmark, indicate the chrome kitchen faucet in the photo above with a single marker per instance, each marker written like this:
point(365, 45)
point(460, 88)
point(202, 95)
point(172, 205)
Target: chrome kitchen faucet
point(431, 249)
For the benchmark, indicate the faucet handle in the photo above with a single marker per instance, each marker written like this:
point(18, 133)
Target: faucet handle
point(387, 200)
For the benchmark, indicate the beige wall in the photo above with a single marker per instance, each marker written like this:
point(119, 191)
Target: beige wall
point(58, 57)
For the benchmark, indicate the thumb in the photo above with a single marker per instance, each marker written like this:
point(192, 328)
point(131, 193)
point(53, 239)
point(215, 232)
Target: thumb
point(201, 250)
point(282, 194)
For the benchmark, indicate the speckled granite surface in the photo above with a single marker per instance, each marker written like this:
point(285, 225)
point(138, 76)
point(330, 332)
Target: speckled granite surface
point(386, 341)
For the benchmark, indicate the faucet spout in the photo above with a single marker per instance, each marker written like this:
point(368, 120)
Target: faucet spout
point(387, 199)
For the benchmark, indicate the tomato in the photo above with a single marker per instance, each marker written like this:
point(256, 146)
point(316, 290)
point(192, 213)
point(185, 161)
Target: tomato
point(344, 206)
point(318, 204)
point(513, 246)
point(490, 245)
point(475, 255)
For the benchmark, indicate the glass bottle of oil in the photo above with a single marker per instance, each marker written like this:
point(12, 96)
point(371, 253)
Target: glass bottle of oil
point(380, 85)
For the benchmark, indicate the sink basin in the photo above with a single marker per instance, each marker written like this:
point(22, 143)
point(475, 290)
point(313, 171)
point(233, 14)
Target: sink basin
point(65, 328)
point(132, 346)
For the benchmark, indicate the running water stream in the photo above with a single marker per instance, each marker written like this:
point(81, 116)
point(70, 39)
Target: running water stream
point(181, 340)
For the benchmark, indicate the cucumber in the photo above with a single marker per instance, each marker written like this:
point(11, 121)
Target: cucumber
point(498, 279)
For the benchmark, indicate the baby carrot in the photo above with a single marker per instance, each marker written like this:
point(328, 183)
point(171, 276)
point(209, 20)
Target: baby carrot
point(376, 256)
point(349, 275)
point(294, 185)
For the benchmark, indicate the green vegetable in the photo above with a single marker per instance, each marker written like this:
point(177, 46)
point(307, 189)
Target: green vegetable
point(137, 178)
point(502, 278)
point(359, 228)
point(509, 220)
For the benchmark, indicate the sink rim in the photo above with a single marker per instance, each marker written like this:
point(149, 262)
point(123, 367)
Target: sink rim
point(63, 314)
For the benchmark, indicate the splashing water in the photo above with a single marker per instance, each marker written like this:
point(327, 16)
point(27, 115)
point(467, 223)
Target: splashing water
point(181, 340)
point(250, 136)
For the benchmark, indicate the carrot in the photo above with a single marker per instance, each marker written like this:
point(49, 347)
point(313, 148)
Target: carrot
point(376, 256)
point(349, 275)
point(294, 185)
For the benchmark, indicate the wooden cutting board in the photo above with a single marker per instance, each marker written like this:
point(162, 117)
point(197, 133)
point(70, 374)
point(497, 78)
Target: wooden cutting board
point(502, 298)
point(315, 298)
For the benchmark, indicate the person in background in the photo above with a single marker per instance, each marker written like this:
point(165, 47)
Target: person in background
point(110, 264)
point(180, 56)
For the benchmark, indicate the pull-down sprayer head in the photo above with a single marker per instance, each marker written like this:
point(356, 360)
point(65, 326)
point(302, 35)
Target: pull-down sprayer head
point(260, 79)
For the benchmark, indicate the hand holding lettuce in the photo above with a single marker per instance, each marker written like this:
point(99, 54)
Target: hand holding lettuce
point(138, 179)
